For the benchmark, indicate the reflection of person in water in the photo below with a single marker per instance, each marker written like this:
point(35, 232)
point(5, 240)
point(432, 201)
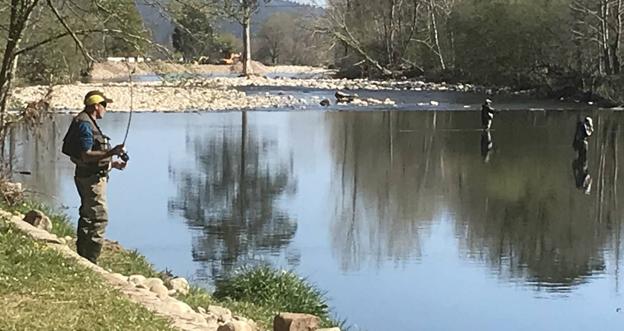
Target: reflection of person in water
point(582, 178)
point(584, 130)
point(486, 145)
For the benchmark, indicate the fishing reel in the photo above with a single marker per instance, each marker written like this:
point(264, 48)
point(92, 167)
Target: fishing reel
point(124, 157)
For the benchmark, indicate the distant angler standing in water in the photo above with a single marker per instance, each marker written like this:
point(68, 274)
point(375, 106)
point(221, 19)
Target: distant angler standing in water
point(90, 150)
point(584, 130)
point(487, 114)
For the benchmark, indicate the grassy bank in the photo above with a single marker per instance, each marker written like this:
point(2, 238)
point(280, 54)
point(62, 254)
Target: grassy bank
point(42, 290)
point(61, 294)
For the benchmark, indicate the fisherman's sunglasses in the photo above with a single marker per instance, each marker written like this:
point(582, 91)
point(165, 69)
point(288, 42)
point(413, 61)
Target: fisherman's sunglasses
point(103, 103)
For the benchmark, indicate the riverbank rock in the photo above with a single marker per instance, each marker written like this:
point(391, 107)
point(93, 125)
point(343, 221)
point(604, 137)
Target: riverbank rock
point(136, 279)
point(179, 285)
point(38, 219)
point(295, 322)
point(235, 325)
point(329, 329)
point(222, 314)
point(342, 97)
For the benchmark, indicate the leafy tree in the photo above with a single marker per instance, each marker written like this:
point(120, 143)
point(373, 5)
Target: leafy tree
point(281, 36)
point(193, 35)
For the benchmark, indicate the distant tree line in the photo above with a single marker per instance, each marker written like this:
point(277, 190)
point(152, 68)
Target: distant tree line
point(283, 38)
point(556, 44)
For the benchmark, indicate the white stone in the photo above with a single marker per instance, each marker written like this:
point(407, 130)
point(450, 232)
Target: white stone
point(235, 326)
point(180, 285)
point(153, 281)
point(178, 307)
point(223, 314)
point(137, 279)
point(160, 290)
point(119, 277)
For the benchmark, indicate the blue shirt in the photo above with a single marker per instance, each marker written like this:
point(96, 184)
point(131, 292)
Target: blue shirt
point(85, 133)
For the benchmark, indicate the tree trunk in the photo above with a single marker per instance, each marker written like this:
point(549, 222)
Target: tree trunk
point(436, 39)
point(604, 34)
point(247, 68)
point(615, 45)
point(17, 23)
point(390, 34)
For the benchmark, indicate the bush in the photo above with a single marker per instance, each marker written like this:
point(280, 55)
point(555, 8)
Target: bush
point(281, 290)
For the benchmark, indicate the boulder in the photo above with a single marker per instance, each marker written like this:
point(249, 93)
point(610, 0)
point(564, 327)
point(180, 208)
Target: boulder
point(119, 277)
point(342, 97)
point(235, 326)
point(178, 307)
point(223, 314)
point(251, 322)
point(295, 322)
point(160, 290)
point(136, 279)
point(38, 220)
point(152, 282)
point(180, 285)
point(325, 102)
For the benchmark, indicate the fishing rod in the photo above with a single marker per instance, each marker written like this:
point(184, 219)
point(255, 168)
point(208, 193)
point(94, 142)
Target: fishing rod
point(125, 157)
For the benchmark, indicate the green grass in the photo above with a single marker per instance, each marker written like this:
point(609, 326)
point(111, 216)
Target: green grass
point(280, 290)
point(256, 293)
point(41, 290)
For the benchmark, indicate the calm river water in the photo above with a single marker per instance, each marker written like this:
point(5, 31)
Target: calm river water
point(409, 220)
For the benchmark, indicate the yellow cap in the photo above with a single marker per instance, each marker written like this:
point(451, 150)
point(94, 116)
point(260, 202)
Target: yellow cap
point(94, 99)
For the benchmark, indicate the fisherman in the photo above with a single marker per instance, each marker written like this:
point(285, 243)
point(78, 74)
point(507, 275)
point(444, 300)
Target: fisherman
point(584, 130)
point(487, 114)
point(90, 151)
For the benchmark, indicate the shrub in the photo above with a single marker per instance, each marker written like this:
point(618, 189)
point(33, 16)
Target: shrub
point(281, 290)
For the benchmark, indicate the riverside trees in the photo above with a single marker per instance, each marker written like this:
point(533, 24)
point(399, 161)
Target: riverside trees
point(73, 33)
point(511, 42)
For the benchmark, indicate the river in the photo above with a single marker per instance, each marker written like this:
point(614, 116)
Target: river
point(410, 220)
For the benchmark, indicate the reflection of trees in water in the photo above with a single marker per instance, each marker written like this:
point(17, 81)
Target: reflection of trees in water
point(520, 212)
point(231, 195)
point(383, 206)
point(36, 150)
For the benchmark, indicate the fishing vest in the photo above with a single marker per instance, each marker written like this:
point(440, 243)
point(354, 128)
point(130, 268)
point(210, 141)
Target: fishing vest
point(71, 147)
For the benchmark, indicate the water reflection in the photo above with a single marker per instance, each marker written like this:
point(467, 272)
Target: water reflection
point(31, 155)
point(398, 172)
point(584, 130)
point(231, 194)
point(487, 145)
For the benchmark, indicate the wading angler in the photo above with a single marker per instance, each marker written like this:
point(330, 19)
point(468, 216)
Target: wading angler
point(89, 149)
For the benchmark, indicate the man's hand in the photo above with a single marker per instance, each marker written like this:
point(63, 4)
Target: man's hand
point(119, 165)
point(117, 150)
